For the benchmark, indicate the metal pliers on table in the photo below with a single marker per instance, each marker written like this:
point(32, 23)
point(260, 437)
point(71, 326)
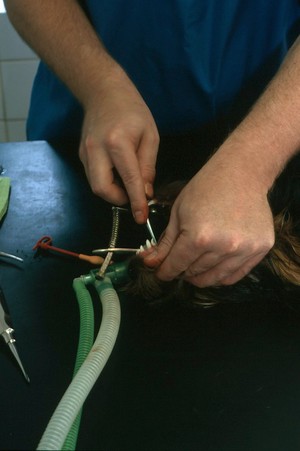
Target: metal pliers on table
point(5, 327)
point(6, 331)
point(14, 257)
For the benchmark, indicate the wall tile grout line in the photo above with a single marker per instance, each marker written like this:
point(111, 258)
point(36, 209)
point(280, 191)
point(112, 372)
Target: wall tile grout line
point(17, 71)
point(3, 105)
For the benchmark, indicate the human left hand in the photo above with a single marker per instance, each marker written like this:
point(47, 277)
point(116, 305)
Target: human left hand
point(221, 226)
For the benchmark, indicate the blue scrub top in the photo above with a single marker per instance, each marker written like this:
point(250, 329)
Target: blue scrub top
point(192, 60)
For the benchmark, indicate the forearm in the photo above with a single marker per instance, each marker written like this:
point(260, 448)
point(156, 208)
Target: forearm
point(62, 36)
point(270, 134)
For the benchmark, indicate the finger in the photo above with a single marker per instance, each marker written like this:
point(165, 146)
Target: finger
point(205, 262)
point(178, 254)
point(147, 153)
point(157, 254)
point(227, 272)
point(243, 270)
point(126, 163)
point(99, 172)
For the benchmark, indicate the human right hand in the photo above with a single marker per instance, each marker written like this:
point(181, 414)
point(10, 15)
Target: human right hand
point(120, 135)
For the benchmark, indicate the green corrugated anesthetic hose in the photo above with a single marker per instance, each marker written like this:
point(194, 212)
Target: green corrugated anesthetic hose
point(87, 370)
point(86, 339)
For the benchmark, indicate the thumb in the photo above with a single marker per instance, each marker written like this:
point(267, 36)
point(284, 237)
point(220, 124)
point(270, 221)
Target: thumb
point(157, 254)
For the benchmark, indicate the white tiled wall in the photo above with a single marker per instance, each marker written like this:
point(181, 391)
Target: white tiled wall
point(18, 65)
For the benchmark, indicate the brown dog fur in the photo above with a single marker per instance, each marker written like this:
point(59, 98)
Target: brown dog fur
point(280, 268)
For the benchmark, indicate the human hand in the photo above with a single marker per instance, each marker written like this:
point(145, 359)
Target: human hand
point(220, 227)
point(119, 135)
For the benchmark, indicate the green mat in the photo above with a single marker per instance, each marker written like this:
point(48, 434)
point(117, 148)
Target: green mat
point(4, 195)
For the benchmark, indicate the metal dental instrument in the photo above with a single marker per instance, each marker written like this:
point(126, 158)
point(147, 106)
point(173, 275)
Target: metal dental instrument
point(112, 245)
point(14, 257)
point(151, 231)
point(6, 332)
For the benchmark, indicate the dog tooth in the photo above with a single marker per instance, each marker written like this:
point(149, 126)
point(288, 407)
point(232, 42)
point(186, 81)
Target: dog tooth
point(153, 243)
point(148, 244)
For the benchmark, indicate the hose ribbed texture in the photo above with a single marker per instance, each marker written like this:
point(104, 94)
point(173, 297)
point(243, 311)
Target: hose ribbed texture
point(73, 399)
point(85, 342)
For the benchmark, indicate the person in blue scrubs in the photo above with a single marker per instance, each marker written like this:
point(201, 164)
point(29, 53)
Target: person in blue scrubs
point(117, 74)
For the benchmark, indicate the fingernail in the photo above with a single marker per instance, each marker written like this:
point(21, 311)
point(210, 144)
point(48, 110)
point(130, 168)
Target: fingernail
point(149, 190)
point(151, 261)
point(151, 254)
point(139, 217)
